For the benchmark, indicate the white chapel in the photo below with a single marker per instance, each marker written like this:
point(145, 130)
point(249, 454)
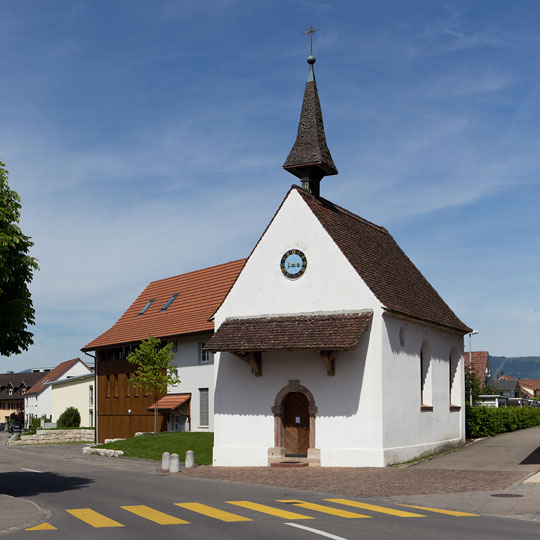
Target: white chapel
point(331, 347)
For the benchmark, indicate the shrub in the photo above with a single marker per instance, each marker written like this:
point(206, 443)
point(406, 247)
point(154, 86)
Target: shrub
point(69, 418)
point(488, 421)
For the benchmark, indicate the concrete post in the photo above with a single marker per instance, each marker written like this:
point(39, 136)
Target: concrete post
point(165, 461)
point(175, 463)
point(190, 460)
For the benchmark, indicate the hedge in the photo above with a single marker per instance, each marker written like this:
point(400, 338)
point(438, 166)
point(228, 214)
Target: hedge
point(488, 421)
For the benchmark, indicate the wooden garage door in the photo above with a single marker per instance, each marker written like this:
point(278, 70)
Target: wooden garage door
point(296, 424)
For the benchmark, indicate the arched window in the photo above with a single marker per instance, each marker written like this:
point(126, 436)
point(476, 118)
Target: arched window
point(426, 387)
point(454, 381)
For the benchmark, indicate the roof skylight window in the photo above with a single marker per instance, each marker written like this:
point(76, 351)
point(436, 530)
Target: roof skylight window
point(169, 301)
point(148, 304)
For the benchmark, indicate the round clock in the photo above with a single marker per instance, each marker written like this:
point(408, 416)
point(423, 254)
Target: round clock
point(293, 264)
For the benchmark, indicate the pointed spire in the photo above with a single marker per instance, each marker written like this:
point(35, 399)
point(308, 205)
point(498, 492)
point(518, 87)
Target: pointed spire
point(310, 159)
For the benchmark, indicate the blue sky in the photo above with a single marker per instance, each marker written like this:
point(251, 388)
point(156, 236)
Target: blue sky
point(146, 139)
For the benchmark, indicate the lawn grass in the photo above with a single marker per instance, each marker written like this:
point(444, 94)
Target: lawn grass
point(152, 446)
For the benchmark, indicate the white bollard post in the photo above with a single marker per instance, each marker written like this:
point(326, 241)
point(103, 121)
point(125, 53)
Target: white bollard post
point(165, 461)
point(175, 463)
point(190, 460)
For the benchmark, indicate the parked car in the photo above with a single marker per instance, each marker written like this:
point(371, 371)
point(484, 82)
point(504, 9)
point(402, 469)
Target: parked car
point(15, 427)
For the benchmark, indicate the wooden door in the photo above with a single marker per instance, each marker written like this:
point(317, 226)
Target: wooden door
point(296, 424)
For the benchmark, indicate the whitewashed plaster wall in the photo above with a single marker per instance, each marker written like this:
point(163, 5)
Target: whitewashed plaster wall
point(74, 393)
point(410, 431)
point(193, 376)
point(42, 404)
point(349, 417)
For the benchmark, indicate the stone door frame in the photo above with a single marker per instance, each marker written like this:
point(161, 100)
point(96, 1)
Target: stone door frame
point(278, 409)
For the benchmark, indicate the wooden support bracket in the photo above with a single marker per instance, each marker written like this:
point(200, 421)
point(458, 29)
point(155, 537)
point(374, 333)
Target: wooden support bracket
point(254, 359)
point(329, 360)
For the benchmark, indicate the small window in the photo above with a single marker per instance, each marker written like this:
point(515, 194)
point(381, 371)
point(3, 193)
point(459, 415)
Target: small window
point(148, 304)
point(203, 406)
point(169, 301)
point(204, 356)
point(10, 391)
point(91, 396)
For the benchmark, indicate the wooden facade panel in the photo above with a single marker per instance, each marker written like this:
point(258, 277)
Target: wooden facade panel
point(116, 397)
point(123, 426)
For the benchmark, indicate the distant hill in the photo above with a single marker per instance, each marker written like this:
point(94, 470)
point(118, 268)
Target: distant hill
point(520, 367)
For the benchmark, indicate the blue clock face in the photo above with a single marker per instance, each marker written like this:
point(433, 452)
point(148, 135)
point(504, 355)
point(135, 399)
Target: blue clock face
point(293, 264)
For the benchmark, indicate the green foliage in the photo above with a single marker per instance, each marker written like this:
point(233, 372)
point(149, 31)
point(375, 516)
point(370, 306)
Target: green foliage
point(489, 391)
point(471, 381)
point(488, 421)
point(16, 272)
point(153, 446)
point(70, 418)
point(154, 369)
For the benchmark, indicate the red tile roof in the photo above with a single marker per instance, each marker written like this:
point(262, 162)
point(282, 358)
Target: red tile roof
point(532, 384)
point(332, 332)
point(170, 402)
point(381, 263)
point(479, 364)
point(199, 295)
point(58, 371)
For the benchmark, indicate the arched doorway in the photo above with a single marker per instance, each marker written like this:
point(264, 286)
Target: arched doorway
point(296, 424)
point(293, 402)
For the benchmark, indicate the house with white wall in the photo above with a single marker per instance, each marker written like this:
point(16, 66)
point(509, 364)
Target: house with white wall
point(331, 345)
point(176, 310)
point(38, 399)
point(75, 392)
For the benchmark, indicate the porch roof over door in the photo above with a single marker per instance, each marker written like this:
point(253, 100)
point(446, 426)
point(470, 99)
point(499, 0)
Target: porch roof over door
point(170, 402)
point(319, 332)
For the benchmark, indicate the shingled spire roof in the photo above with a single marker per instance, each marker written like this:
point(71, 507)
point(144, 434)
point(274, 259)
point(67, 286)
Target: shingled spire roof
point(310, 159)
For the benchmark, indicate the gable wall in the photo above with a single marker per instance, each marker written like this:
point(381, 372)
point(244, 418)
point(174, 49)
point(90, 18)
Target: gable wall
point(349, 406)
point(410, 431)
point(76, 394)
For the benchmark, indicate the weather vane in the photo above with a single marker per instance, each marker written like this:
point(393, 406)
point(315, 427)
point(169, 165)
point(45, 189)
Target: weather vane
point(311, 31)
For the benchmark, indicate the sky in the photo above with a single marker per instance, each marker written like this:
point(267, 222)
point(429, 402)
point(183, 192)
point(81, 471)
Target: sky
point(146, 139)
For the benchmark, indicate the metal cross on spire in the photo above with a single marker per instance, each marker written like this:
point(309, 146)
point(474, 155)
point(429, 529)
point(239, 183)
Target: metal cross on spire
point(311, 31)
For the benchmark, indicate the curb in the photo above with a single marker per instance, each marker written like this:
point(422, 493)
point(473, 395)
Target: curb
point(42, 515)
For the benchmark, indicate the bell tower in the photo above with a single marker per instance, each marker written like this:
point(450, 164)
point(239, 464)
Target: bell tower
point(309, 158)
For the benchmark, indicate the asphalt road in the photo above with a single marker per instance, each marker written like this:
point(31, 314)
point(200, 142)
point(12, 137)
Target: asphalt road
point(67, 484)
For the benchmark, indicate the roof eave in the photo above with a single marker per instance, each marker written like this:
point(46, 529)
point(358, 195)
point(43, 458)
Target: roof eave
point(401, 314)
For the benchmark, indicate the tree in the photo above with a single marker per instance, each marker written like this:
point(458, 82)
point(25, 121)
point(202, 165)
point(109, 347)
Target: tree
point(155, 370)
point(16, 272)
point(472, 383)
point(69, 418)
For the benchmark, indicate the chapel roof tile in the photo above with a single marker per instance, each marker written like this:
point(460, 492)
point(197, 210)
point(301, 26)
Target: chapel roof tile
point(330, 331)
point(382, 264)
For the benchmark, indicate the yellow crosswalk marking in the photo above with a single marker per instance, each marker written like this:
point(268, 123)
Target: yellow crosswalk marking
point(213, 512)
point(324, 509)
point(154, 515)
point(375, 508)
point(93, 518)
point(42, 527)
point(438, 510)
point(269, 510)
